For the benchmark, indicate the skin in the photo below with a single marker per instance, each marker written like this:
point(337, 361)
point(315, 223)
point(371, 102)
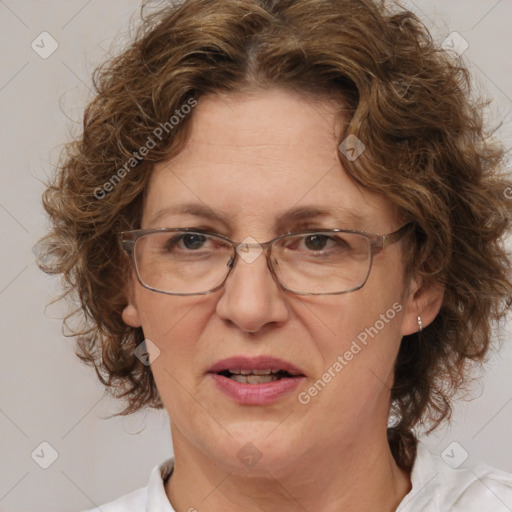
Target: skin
point(250, 157)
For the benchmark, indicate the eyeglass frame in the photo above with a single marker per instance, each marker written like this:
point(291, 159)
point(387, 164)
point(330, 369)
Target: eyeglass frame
point(378, 243)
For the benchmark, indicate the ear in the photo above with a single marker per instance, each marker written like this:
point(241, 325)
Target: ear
point(424, 300)
point(131, 314)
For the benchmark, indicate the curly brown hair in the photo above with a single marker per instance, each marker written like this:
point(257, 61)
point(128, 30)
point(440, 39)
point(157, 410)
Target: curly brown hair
point(427, 151)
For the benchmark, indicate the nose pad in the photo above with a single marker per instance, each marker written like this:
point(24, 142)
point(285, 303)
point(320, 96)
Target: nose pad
point(249, 250)
point(246, 257)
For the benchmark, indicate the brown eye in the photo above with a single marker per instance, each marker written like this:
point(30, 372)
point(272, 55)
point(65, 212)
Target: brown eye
point(185, 241)
point(316, 242)
point(193, 241)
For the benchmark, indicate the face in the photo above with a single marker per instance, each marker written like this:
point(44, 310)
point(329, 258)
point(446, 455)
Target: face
point(252, 158)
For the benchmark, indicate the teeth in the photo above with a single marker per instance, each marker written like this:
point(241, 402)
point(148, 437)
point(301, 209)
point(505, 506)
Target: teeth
point(251, 372)
point(254, 379)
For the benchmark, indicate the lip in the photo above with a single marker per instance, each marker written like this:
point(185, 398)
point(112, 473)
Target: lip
point(255, 363)
point(256, 394)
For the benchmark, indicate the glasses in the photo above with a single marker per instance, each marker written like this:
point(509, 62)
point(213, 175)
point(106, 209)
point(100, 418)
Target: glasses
point(186, 261)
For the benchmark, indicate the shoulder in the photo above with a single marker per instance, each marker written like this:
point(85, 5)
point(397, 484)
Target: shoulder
point(151, 497)
point(480, 488)
point(438, 486)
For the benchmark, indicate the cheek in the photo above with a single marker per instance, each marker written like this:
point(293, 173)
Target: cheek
point(167, 319)
point(174, 324)
point(379, 311)
point(358, 336)
point(374, 311)
point(358, 351)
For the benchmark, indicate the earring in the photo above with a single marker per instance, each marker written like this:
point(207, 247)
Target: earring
point(419, 323)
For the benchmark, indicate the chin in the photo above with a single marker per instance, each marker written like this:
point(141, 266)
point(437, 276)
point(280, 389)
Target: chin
point(256, 447)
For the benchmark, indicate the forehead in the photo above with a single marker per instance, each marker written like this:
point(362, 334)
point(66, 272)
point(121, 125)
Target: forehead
point(260, 154)
point(267, 116)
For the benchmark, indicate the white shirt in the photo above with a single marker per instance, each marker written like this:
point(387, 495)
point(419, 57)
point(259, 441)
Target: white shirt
point(436, 487)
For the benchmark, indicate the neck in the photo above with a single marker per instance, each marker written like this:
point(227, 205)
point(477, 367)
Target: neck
point(358, 478)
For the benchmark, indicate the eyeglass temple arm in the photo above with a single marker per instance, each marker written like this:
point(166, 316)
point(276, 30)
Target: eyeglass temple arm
point(397, 235)
point(126, 244)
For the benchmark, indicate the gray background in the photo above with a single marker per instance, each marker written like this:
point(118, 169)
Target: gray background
point(45, 392)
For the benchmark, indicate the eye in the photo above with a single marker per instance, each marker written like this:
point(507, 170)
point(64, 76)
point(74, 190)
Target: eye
point(185, 242)
point(193, 240)
point(317, 244)
point(316, 241)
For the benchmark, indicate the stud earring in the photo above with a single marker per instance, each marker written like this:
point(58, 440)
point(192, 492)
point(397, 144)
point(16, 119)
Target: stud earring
point(420, 323)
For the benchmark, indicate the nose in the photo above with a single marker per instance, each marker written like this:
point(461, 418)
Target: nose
point(251, 298)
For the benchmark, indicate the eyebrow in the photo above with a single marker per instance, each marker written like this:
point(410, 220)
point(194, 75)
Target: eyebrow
point(197, 210)
point(289, 216)
point(310, 212)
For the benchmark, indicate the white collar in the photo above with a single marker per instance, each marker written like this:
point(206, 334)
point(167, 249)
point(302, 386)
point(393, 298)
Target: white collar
point(157, 500)
point(435, 487)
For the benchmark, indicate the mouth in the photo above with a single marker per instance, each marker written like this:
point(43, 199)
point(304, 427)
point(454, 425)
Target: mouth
point(255, 370)
point(256, 381)
point(246, 376)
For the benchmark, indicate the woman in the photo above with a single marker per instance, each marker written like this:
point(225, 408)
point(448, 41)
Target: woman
point(285, 225)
